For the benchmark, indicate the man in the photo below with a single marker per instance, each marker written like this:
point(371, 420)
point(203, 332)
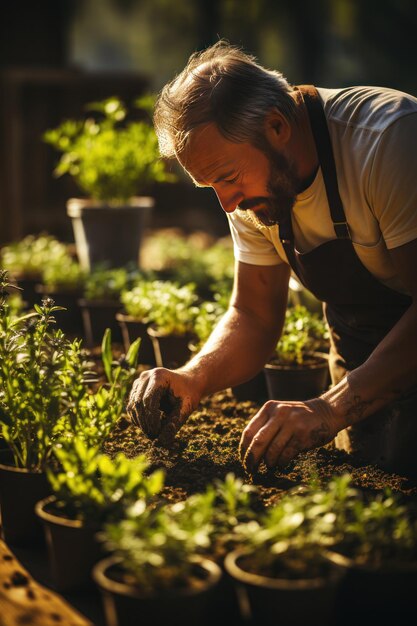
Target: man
point(322, 181)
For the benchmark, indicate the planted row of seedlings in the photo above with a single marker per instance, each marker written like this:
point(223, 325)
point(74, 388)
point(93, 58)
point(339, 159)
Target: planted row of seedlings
point(321, 554)
point(173, 306)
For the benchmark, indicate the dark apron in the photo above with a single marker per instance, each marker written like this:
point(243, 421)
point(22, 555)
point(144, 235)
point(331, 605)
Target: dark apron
point(360, 311)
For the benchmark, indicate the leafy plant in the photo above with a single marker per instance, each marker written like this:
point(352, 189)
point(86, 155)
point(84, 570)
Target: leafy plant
point(41, 374)
point(31, 255)
point(174, 308)
point(304, 333)
point(140, 300)
point(106, 284)
point(94, 488)
point(91, 417)
point(64, 274)
point(110, 159)
point(157, 546)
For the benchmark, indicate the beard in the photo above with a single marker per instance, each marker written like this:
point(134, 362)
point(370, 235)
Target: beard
point(283, 187)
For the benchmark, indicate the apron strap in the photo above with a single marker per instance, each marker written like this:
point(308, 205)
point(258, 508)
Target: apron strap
point(325, 153)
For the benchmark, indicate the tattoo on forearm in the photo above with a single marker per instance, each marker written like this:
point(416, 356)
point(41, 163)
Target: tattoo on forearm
point(357, 409)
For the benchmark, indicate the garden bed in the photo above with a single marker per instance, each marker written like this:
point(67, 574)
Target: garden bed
point(207, 448)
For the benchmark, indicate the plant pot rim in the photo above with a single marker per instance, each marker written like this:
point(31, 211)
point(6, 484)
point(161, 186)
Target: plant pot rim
point(258, 580)
point(77, 206)
point(391, 568)
point(110, 585)
point(41, 510)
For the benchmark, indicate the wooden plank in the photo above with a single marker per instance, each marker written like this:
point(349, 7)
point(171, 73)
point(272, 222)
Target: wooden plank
point(24, 601)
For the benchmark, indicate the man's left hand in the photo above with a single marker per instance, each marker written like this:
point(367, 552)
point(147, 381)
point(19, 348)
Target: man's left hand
point(282, 429)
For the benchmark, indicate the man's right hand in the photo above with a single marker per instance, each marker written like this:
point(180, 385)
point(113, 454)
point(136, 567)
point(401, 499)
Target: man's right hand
point(160, 402)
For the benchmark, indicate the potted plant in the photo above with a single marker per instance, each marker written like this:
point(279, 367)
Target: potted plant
point(111, 160)
point(298, 369)
point(173, 316)
point(90, 490)
point(25, 261)
point(280, 567)
point(375, 541)
point(101, 302)
point(155, 570)
point(41, 375)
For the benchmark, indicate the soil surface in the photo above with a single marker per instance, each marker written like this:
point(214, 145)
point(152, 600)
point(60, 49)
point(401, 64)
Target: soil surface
point(207, 445)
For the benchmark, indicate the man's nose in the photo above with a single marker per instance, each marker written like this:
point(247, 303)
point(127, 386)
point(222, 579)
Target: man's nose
point(229, 200)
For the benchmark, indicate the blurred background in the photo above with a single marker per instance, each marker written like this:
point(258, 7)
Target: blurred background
point(58, 55)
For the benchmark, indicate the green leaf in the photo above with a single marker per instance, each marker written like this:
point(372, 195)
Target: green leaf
point(107, 355)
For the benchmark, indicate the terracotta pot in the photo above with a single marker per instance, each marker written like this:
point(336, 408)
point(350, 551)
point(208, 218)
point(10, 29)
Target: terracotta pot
point(125, 606)
point(131, 329)
point(171, 351)
point(72, 547)
point(291, 602)
point(20, 489)
point(70, 320)
point(109, 234)
point(97, 316)
point(375, 595)
point(297, 383)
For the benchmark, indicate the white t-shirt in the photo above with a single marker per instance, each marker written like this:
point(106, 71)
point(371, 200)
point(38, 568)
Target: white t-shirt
point(374, 138)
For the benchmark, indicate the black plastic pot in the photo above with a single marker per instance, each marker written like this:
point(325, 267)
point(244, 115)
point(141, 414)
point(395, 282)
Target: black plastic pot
point(254, 389)
point(72, 547)
point(131, 329)
point(70, 320)
point(20, 490)
point(291, 602)
point(375, 595)
point(297, 383)
point(109, 234)
point(98, 315)
point(171, 351)
point(125, 606)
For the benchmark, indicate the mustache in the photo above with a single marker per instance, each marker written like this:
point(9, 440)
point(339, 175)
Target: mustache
point(252, 203)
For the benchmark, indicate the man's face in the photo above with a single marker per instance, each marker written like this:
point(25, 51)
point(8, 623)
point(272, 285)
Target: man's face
point(242, 175)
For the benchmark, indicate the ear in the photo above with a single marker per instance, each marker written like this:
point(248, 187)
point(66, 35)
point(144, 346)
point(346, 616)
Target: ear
point(277, 129)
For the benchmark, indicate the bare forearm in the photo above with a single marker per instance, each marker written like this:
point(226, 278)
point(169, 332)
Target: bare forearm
point(236, 350)
point(390, 371)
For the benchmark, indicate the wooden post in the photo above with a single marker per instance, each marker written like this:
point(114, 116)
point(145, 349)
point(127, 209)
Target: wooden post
point(24, 601)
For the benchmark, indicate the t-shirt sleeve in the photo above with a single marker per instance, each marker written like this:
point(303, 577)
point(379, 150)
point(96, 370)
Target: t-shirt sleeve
point(250, 244)
point(393, 182)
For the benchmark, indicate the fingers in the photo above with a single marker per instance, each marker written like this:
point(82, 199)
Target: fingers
point(257, 435)
point(275, 435)
point(144, 402)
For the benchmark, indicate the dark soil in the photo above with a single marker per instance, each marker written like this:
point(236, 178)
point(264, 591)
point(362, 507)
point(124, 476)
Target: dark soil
point(206, 448)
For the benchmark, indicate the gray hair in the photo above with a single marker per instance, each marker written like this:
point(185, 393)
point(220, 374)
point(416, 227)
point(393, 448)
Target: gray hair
point(223, 85)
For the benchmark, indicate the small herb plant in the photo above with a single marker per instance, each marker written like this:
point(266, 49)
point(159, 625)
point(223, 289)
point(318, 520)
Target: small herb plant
point(64, 274)
point(92, 487)
point(304, 333)
point(157, 546)
point(30, 256)
point(110, 159)
point(139, 301)
point(174, 309)
point(106, 284)
point(41, 373)
point(91, 417)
